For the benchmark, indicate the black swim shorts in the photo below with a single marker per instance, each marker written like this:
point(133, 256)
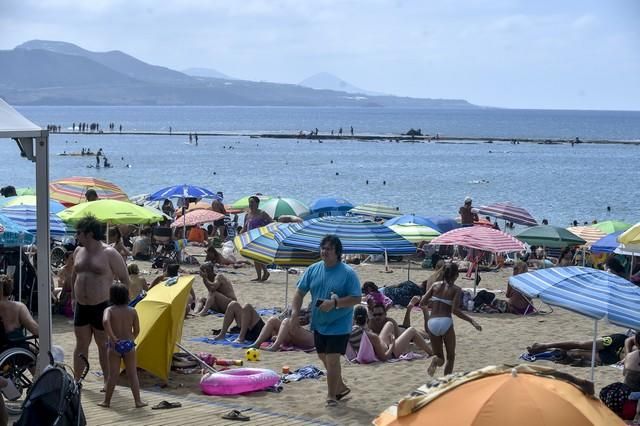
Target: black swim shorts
point(613, 347)
point(89, 315)
point(254, 332)
point(331, 344)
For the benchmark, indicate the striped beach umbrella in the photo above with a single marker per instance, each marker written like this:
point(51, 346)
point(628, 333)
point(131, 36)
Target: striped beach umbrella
point(610, 226)
point(413, 219)
point(25, 216)
point(414, 232)
point(330, 204)
point(260, 244)
point(507, 211)
point(376, 210)
point(12, 234)
point(30, 200)
point(183, 191)
point(243, 203)
point(549, 236)
point(197, 217)
point(479, 238)
point(631, 236)
point(70, 191)
point(587, 233)
point(357, 236)
point(596, 294)
point(276, 207)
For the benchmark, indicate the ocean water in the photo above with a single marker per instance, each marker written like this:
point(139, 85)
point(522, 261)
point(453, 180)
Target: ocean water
point(557, 182)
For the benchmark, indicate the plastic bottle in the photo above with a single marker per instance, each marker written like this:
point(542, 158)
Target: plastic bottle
point(229, 362)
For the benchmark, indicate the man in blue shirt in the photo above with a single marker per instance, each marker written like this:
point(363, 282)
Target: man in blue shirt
point(335, 289)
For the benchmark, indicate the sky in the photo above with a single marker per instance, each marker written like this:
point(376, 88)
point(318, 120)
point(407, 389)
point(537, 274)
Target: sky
point(571, 54)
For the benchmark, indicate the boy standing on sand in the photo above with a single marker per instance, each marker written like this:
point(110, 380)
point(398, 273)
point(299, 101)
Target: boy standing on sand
point(122, 326)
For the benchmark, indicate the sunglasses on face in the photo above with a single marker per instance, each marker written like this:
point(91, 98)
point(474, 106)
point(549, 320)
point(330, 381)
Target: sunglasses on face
point(378, 314)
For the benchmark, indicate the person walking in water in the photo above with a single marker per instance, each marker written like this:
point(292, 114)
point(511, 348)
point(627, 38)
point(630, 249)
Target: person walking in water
point(445, 301)
point(351, 130)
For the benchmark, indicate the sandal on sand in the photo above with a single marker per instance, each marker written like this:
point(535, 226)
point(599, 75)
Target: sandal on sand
point(162, 405)
point(342, 394)
point(332, 403)
point(236, 415)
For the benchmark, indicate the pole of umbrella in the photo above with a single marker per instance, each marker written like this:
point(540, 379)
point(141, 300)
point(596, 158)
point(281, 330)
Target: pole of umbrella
point(19, 273)
point(107, 232)
point(386, 261)
point(286, 289)
point(593, 349)
point(408, 270)
point(475, 280)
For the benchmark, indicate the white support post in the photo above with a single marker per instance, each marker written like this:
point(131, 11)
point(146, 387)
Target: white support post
point(593, 348)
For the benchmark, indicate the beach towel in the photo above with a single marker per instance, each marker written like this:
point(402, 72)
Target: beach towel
point(555, 356)
point(229, 340)
point(306, 372)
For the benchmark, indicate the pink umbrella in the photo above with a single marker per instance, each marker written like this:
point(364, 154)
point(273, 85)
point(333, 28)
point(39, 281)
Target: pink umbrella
point(196, 217)
point(480, 238)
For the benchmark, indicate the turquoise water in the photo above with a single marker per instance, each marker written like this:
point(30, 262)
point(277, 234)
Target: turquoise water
point(559, 182)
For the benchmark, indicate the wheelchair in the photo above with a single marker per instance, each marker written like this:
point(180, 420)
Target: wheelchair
point(18, 364)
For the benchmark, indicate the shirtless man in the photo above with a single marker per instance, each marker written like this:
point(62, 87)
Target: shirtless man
point(96, 265)
point(220, 290)
point(255, 218)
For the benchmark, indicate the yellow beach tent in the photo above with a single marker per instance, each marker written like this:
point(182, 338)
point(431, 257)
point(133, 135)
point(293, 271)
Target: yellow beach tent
point(161, 315)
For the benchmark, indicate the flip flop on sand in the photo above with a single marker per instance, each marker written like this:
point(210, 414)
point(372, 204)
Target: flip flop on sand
point(332, 403)
point(237, 415)
point(163, 405)
point(342, 394)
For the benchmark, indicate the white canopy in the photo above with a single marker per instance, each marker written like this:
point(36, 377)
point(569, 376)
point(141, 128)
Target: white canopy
point(33, 143)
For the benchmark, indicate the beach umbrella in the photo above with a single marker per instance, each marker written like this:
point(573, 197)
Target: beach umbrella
point(243, 203)
point(631, 235)
point(412, 218)
point(25, 191)
point(414, 232)
point(25, 216)
point(183, 191)
point(375, 210)
point(479, 238)
point(12, 234)
point(607, 244)
point(161, 314)
point(111, 212)
point(549, 236)
point(357, 236)
point(276, 207)
point(30, 200)
point(610, 226)
point(520, 395)
point(197, 217)
point(442, 223)
point(330, 204)
point(587, 233)
point(259, 244)
point(507, 211)
point(70, 191)
point(596, 294)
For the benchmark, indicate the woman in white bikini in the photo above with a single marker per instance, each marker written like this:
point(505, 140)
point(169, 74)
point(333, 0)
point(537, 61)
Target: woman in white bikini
point(445, 301)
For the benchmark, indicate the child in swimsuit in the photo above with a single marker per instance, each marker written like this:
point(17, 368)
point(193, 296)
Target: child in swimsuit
point(122, 326)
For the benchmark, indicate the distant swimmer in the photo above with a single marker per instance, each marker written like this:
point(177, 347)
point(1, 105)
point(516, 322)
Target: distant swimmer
point(337, 173)
point(384, 182)
point(331, 161)
point(367, 182)
point(609, 209)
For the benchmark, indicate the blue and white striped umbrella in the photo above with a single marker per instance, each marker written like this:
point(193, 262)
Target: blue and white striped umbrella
point(597, 294)
point(26, 216)
point(12, 234)
point(183, 191)
point(357, 236)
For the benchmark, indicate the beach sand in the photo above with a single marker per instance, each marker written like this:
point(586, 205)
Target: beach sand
point(374, 387)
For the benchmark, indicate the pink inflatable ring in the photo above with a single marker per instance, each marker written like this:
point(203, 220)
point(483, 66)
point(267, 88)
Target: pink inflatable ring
point(239, 380)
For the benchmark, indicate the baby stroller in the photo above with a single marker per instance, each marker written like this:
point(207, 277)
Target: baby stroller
point(54, 399)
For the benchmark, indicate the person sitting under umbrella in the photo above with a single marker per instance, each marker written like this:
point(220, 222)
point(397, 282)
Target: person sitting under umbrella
point(220, 290)
point(247, 318)
point(609, 350)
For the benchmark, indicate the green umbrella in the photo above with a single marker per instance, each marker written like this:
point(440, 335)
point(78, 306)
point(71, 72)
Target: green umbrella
point(277, 207)
point(549, 236)
point(415, 232)
point(112, 212)
point(25, 191)
point(611, 226)
point(243, 203)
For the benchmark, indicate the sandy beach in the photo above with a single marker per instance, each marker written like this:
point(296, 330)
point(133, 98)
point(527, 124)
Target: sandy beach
point(374, 387)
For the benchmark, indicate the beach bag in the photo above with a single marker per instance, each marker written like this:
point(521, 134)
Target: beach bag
point(483, 298)
point(614, 396)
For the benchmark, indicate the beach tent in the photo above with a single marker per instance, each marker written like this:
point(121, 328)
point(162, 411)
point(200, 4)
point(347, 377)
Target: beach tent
point(161, 314)
point(520, 395)
point(33, 143)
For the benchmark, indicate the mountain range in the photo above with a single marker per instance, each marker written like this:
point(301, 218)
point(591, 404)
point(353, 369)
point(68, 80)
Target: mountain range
point(42, 72)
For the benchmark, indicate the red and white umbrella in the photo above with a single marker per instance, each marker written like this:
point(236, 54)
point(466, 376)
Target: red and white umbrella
point(196, 217)
point(508, 212)
point(480, 238)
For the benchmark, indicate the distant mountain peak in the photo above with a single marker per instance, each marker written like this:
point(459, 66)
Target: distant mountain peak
point(327, 81)
point(206, 72)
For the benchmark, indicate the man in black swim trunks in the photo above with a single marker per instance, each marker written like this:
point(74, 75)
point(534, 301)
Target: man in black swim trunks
point(609, 349)
point(96, 265)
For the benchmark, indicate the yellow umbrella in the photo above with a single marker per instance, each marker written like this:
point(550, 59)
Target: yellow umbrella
point(495, 396)
point(112, 212)
point(631, 235)
point(415, 232)
point(161, 315)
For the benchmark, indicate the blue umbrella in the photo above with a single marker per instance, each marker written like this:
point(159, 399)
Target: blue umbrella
point(12, 234)
point(30, 200)
point(606, 244)
point(183, 191)
point(597, 294)
point(443, 223)
point(25, 216)
point(330, 204)
point(412, 218)
point(358, 236)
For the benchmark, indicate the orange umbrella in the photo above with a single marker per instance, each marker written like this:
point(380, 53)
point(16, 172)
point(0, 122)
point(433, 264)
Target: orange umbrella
point(495, 396)
point(587, 233)
point(70, 191)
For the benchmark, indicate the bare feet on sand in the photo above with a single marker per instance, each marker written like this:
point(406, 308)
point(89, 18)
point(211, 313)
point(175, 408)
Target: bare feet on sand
point(265, 276)
point(140, 404)
point(219, 336)
point(435, 363)
point(103, 404)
